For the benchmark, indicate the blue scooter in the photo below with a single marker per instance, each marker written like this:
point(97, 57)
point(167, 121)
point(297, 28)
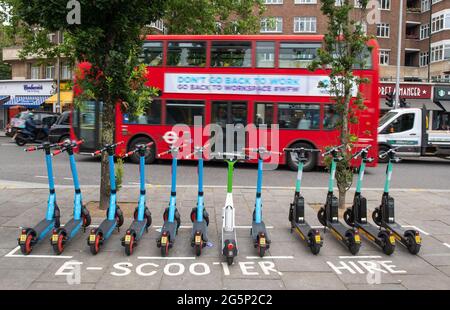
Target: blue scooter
point(114, 216)
point(199, 216)
point(81, 217)
point(259, 233)
point(30, 236)
point(142, 216)
point(171, 216)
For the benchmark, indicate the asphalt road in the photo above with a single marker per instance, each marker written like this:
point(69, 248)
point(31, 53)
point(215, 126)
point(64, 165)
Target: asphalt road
point(16, 165)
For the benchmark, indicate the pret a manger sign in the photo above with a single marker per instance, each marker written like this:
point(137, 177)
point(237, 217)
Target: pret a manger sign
point(246, 84)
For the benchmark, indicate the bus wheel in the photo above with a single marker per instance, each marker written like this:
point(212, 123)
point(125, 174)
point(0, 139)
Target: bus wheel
point(149, 154)
point(292, 160)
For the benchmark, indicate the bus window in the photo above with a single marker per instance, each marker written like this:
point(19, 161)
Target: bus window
point(152, 54)
point(264, 114)
point(330, 118)
point(365, 60)
point(298, 116)
point(183, 111)
point(186, 54)
point(231, 54)
point(265, 54)
point(297, 55)
point(151, 115)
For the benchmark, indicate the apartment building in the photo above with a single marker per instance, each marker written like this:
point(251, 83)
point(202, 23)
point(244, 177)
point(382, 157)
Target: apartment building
point(425, 42)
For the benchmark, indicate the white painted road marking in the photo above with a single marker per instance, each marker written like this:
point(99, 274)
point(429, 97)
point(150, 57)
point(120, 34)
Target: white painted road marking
point(12, 254)
point(447, 245)
point(416, 228)
point(94, 268)
point(167, 258)
point(360, 256)
point(270, 257)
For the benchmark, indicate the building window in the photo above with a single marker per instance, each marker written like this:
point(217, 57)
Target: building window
point(425, 5)
point(384, 57)
point(305, 24)
point(437, 23)
point(271, 25)
point(338, 2)
point(363, 26)
point(305, 1)
point(273, 1)
point(424, 59)
point(66, 72)
point(424, 31)
point(384, 4)
point(35, 72)
point(50, 72)
point(383, 30)
point(357, 4)
point(437, 53)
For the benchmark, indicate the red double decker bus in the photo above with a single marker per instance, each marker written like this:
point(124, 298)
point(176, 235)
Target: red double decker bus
point(246, 79)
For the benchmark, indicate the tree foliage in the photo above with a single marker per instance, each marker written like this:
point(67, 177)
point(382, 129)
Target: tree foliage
point(213, 16)
point(344, 48)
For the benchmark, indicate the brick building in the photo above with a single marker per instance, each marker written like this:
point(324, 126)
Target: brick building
point(304, 17)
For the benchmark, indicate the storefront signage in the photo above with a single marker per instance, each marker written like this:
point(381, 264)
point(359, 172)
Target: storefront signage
point(407, 91)
point(441, 93)
point(246, 84)
point(26, 87)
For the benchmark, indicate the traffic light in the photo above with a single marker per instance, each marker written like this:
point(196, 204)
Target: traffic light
point(403, 103)
point(390, 99)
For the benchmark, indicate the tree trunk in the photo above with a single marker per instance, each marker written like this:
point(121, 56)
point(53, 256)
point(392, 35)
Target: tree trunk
point(342, 194)
point(107, 137)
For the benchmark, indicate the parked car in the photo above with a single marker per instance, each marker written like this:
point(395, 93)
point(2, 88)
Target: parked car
point(41, 119)
point(60, 129)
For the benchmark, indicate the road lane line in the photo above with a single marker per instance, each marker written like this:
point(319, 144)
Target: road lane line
point(447, 245)
point(360, 256)
point(12, 254)
point(270, 257)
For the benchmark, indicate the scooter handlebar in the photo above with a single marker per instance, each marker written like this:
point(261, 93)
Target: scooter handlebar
point(138, 147)
point(41, 147)
point(333, 149)
point(108, 146)
point(67, 145)
point(171, 150)
point(224, 155)
point(261, 150)
point(299, 149)
point(362, 151)
point(390, 152)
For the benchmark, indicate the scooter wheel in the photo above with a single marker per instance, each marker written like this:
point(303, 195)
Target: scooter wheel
point(26, 248)
point(230, 260)
point(353, 246)
point(177, 218)
point(313, 245)
point(198, 248)
point(321, 217)
point(130, 247)
point(165, 250)
point(56, 216)
point(119, 217)
point(58, 247)
point(412, 245)
point(291, 212)
point(86, 217)
point(388, 247)
point(95, 247)
point(349, 218)
point(376, 216)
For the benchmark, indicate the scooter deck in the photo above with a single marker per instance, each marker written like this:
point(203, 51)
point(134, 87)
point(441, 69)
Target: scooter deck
point(370, 231)
point(302, 229)
point(258, 228)
point(228, 235)
point(338, 230)
point(72, 227)
point(201, 227)
point(171, 228)
point(138, 227)
point(107, 227)
point(43, 228)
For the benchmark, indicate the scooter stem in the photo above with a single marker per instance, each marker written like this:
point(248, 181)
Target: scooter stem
point(258, 191)
point(388, 176)
point(362, 169)
point(332, 176)
point(230, 176)
point(298, 182)
point(51, 185)
point(173, 193)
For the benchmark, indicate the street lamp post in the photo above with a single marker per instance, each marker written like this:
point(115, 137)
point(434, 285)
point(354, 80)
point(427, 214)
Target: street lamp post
point(399, 54)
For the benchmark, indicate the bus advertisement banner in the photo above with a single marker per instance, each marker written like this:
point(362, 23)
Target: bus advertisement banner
point(248, 84)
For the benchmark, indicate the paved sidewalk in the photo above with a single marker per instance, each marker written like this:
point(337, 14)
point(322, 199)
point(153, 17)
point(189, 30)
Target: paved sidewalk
point(288, 265)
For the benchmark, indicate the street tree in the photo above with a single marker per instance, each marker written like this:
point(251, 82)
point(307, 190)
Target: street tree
point(105, 36)
point(344, 45)
point(213, 17)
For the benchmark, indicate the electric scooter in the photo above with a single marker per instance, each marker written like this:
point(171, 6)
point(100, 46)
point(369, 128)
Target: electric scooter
point(199, 215)
point(311, 236)
point(384, 216)
point(114, 216)
point(30, 236)
point(328, 215)
point(229, 240)
point(356, 216)
point(259, 233)
point(81, 217)
point(142, 216)
point(171, 216)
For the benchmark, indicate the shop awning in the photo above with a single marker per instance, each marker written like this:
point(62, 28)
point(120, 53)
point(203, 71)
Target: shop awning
point(66, 98)
point(26, 101)
point(444, 105)
point(2, 98)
